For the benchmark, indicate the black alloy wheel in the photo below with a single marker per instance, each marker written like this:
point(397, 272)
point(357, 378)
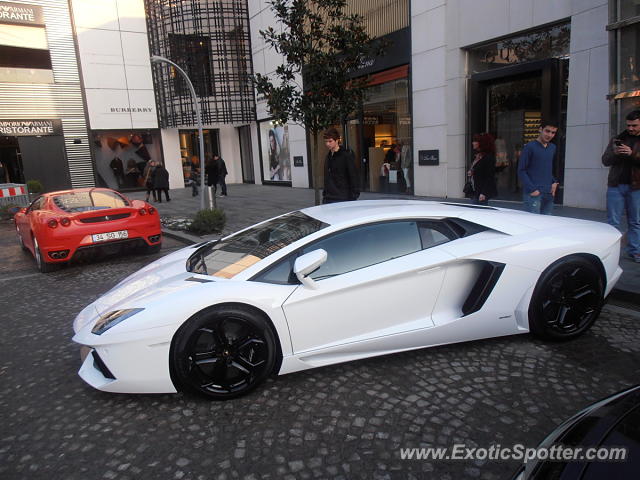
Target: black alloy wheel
point(567, 299)
point(223, 352)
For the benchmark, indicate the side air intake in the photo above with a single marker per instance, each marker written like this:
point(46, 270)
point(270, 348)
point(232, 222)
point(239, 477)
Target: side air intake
point(483, 287)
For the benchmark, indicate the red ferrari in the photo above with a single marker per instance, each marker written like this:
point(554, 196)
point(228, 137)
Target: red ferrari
point(59, 226)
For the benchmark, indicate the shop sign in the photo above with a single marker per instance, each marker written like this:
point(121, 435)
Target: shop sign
point(30, 128)
point(130, 109)
point(428, 157)
point(298, 161)
point(21, 13)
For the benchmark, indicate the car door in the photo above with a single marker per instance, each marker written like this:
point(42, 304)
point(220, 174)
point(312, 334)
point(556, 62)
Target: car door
point(26, 221)
point(378, 280)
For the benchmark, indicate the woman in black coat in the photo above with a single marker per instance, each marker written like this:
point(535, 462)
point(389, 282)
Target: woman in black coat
point(482, 172)
point(161, 182)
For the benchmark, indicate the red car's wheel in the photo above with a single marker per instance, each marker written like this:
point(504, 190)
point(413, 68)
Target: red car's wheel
point(43, 266)
point(20, 241)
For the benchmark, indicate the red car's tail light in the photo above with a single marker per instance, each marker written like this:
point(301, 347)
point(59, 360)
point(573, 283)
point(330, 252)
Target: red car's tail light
point(151, 210)
point(65, 222)
point(142, 211)
point(53, 223)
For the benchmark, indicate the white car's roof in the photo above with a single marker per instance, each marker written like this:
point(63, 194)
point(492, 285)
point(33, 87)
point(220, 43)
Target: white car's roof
point(505, 220)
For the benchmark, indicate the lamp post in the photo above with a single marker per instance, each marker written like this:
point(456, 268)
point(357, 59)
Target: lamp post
point(158, 59)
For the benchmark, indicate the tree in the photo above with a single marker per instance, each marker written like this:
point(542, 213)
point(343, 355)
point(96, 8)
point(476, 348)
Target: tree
point(323, 45)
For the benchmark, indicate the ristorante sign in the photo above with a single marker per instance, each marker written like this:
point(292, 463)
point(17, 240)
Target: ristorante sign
point(30, 128)
point(21, 13)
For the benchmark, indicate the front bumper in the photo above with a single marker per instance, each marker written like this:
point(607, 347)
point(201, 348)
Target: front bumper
point(137, 366)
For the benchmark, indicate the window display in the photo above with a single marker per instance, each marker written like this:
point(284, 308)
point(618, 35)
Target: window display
point(276, 160)
point(121, 156)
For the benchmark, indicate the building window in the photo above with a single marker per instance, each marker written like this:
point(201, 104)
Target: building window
point(194, 53)
point(549, 42)
point(24, 55)
point(624, 32)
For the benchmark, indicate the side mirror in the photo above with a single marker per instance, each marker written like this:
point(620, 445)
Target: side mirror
point(307, 264)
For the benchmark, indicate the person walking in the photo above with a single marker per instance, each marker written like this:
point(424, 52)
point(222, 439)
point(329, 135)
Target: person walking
point(161, 182)
point(147, 173)
point(194, 175)
point(340, 177)
point(222, 172)
point(622, 156)
point(212, 175)
point(482, 172)
point(535, 170)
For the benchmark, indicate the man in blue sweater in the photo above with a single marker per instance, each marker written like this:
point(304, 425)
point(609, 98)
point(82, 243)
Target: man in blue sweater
point(535, 169)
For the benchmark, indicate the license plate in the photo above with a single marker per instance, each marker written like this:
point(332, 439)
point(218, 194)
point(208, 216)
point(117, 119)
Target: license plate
point(103, 237)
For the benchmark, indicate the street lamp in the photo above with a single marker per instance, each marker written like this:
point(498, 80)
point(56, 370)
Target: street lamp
point(158, 59)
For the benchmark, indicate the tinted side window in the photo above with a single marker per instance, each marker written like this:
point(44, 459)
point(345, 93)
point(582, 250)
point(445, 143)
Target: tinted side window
point(364, 246)
point(36, 205)
point(434, 233)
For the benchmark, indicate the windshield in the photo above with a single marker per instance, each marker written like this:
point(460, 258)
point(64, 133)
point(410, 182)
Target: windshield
point(73, 202)
point(232, 255)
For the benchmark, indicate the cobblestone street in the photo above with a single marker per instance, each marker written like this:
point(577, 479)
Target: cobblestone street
point(345, 421)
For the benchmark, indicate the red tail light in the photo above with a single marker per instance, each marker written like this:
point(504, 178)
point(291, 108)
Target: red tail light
point(151, 210)
point(142, 211)
point(65, 222)
point(53, 223)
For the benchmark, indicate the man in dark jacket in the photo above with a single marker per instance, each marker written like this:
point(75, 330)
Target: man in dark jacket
point(222, 173)
point(161, 182)
point(622, 156)
point(340, 177)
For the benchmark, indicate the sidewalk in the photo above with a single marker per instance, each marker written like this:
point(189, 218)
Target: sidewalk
point(248, 204)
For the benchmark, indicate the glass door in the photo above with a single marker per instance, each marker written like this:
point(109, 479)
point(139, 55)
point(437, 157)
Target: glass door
point(509, 103)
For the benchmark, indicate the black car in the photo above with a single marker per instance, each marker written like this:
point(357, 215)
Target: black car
point(608, 430)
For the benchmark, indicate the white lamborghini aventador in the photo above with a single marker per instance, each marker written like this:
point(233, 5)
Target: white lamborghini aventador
point(341, 282)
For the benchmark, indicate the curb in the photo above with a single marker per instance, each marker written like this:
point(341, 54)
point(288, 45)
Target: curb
point(183, 237)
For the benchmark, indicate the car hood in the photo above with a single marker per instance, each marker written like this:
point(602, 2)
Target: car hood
point(160, 278)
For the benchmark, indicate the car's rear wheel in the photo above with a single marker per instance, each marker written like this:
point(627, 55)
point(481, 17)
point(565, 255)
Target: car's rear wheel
point(223, 352)
point(44, 267)
point(567, 299)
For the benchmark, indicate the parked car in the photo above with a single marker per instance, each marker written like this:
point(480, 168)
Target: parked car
point(340, 282)
point(608, 431)
point(59, 226)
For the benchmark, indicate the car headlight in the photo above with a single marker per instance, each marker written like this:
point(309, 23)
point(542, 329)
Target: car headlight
point(111, 319)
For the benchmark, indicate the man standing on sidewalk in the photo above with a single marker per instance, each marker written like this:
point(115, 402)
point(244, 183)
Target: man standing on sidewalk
point(535, 169)
point(340, 177)
point(622, 156)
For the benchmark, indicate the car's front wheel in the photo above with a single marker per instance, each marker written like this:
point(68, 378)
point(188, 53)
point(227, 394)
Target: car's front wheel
point(21, 241)
point(223, 352)
point(567, 299)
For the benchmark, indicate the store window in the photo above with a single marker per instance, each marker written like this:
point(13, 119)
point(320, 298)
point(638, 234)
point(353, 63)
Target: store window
point(625, 75)
point(190, 149)
point(381, 135)
point(274, 148)
point(121, 156)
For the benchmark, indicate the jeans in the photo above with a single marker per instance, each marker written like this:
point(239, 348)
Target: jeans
point(622, 199)
point(543, 203)
point(223, 185)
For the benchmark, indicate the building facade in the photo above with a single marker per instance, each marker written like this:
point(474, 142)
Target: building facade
point(496, 66)
point(453, 68)
point(43, 132)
